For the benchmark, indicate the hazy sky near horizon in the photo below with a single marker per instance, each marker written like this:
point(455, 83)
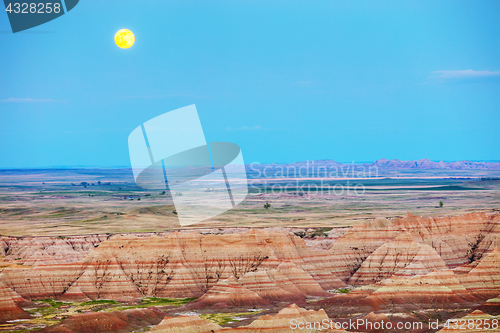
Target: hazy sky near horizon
point(286, 80)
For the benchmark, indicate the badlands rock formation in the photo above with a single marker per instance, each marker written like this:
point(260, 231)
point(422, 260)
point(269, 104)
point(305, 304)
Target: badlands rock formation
point(10, 305)
point(116, 321)
point(483, 281)
point(370, 321)
point(402, 256)
point(186, 324)
point(439, 289)
point(182, 265)
point(287, 320)
point(491, 306)
point(35, 251)
point(481, 322)
point(404, 264)
point(457, 240)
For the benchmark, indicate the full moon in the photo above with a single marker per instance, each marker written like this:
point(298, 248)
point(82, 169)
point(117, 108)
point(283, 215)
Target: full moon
point(124, 38)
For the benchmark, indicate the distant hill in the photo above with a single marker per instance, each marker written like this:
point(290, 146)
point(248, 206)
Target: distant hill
point(427, 164)
point(394, 164)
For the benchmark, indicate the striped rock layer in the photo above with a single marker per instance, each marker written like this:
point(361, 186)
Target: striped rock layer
point(285, 321)
point(184, 265)
point(446, 262)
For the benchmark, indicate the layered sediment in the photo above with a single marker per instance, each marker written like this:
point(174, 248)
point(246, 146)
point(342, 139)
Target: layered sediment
point(116, 321)
point(404, 263)
point(287, 320)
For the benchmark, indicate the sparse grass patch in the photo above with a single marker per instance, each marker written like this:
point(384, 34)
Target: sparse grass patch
point(99, 301)
point(153, 301)
point(341, 290)
point(226, 318)
point(54, 304)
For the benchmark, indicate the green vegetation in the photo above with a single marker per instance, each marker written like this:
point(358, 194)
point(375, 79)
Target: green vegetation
point(99, 301)
point(440, 204)
point(226, 318)
point(267, 205)
point(51, 312)
point(341, 290)
point(157, 301)
point(321, 232)
point(153, 301)
point(54, 304)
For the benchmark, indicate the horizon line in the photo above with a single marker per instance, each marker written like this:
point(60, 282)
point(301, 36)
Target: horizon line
point(74, 167)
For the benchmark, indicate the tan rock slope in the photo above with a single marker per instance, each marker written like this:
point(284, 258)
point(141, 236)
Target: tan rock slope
point(185, 324)
point(402, 256)
point(458, 240)
point(406, 263)
point(481, 322)
point(35, 251)
point(117, 321)
point(9, 305)
point(439, 289)
point(183, 265)
point(290, 319)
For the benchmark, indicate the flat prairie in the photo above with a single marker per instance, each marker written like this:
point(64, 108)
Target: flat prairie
point(89, 201)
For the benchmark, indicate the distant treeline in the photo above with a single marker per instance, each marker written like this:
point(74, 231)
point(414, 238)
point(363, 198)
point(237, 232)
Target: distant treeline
point(85, 184)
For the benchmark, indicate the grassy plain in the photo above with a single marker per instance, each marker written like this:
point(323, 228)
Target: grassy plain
point(44, 202)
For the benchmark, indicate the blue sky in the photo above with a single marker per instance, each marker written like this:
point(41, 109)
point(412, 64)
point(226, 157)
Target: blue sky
point(286, 80)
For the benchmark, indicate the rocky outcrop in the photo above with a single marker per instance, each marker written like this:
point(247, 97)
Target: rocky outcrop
point(229, 293)
point(371, 321)
point(186, 324)
point(10, 303)
point(402, 256)
point(116, 321)
point(483, 281)
point(439, 289)
point(481, 323)
point(182, 265)
point(127, 267)
point(458, 240)
point(35, 251)
point(400, 265)
point(351, 250)
point(491, 306)
point(289, 319)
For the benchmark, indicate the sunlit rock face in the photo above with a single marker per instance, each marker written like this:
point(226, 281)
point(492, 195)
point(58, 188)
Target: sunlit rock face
point(184, 265)
point(402, 256)
point(482, 322)
point(398, 264)
point(457, 240)
point(34, 251)
point(185, 324)
point(10, 305)
point(285, 321)
point(131, 320)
